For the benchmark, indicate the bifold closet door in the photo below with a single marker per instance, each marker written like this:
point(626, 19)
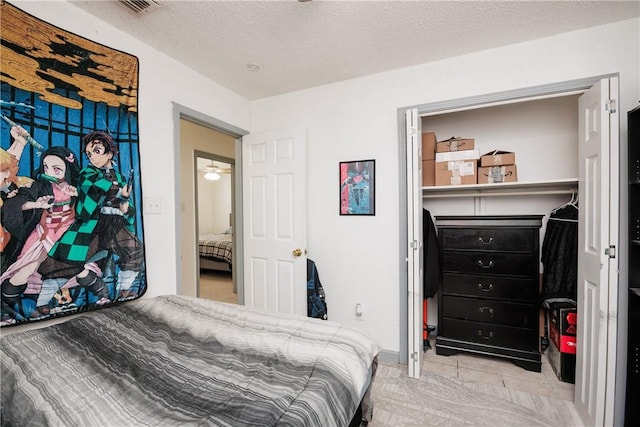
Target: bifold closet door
point(597, 264)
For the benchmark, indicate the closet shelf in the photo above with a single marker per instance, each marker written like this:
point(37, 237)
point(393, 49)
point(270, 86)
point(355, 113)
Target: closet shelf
point(533, 188)
point(635, 242)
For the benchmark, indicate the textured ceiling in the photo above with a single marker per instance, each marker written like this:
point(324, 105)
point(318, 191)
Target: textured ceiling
point(305, 44)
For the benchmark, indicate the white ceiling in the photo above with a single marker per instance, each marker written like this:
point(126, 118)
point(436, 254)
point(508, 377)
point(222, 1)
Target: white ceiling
point(299, 45)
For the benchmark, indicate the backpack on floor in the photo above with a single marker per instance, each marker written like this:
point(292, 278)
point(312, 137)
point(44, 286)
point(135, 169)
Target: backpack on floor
point(316, 304)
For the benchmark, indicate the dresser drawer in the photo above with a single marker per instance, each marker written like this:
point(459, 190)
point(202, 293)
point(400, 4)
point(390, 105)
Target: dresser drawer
point(490, 334)
point(489, 239)
point(491, 311)
point(510, 288)
point(522, 264)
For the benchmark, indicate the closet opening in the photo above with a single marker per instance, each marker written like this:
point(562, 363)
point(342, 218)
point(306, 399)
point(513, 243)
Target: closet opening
point(556, 159)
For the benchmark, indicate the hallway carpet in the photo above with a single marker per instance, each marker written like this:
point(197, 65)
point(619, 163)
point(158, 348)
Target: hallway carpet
point(217, 286)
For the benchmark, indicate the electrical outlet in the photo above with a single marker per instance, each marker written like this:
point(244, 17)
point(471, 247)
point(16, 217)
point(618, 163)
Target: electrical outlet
point(152, 205)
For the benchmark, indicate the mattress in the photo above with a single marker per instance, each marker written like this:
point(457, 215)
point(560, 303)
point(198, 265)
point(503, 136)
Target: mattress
point(175, 360)
point(217, 247)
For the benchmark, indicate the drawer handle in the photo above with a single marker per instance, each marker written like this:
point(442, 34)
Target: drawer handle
point(485, 242)
point(483, 265)
point(489, 309)
point(487, 289)
point(486, 337)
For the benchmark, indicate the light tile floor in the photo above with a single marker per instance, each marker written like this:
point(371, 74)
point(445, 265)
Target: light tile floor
point(499, 372)
point(476, 394)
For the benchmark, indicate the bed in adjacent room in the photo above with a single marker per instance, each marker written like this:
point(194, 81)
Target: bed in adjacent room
point(215, 251)
point(177, 360)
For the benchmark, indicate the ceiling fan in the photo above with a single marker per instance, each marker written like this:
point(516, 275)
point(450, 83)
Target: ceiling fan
point(213, 170)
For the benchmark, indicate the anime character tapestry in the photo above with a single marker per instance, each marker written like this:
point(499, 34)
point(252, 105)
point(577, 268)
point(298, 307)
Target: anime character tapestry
point(71, 236)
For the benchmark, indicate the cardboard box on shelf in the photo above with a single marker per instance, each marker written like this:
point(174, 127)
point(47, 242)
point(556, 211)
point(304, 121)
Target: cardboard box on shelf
point(455, 144)
point(563, 321)
point(456, 172)
point(498, 158)
point(428, 173)
point(494, 174)
point(428, 146)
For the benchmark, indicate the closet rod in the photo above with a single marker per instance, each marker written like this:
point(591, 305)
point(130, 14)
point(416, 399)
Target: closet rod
point(493, 194)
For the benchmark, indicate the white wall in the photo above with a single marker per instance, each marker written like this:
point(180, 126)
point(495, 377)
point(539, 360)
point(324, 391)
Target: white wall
point(162, 82)
point(357, 257)
point(214, 204)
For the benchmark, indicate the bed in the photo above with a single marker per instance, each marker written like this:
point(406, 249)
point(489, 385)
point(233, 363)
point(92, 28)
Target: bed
point(176, 360)
point(215, 251)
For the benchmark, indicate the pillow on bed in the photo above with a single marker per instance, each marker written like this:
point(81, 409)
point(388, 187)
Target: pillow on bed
point(228, 231)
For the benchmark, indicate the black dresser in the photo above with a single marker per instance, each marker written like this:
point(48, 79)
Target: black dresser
point(632, 414)
point(489, 299)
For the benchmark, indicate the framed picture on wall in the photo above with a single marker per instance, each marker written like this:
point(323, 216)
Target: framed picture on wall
point(357, 187)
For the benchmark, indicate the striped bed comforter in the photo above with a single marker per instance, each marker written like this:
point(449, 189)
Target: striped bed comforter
point(217, 247)
point(174, 361)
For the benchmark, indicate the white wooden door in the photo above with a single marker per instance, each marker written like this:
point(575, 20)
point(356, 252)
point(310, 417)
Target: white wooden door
point(415, 250)
point(274, 221)
point(597, 270)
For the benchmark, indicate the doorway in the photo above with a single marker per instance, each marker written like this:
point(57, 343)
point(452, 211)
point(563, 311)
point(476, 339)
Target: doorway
point(214, 210)
point(223, 142)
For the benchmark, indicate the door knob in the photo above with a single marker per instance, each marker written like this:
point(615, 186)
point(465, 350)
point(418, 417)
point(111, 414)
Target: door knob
point(297, 252)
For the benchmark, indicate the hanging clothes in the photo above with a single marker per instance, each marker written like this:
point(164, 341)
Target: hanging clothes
point(560, 255)
point(431, 255)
